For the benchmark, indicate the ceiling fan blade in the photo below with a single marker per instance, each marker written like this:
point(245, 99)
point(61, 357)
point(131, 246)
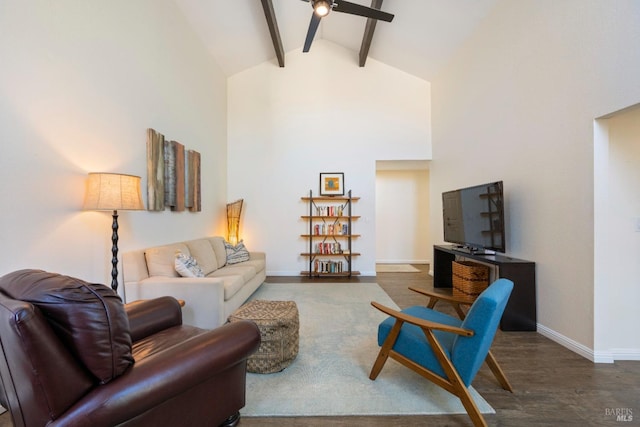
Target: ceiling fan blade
point(313, 27)
point(356, 9)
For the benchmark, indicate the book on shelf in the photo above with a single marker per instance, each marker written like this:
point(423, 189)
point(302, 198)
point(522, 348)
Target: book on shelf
point(337, 229)
point(329, 210)
point(328, 248)
point(328, 267)
point(319, 229)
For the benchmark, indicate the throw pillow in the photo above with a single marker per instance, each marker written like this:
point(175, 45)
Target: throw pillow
point(89, 318)
point(187, 266)
point(237, 253)
point(161, 260)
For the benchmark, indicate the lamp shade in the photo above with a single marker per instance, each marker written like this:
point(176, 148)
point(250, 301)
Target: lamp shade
point(112, 191)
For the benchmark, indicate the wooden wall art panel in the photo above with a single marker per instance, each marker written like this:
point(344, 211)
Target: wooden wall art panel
point(173, 175)
point(180, 178)
point(155, 170)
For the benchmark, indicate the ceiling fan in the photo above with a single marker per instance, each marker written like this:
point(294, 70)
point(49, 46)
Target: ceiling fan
point(321, 8)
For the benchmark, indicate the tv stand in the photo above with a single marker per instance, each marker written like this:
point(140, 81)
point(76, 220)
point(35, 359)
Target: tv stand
point(472, 250)
point(520, 313)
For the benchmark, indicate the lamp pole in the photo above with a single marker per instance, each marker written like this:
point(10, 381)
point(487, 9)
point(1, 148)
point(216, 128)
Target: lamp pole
point(114, 252)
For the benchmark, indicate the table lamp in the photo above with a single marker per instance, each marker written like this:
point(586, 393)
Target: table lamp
point(233, 221)
point(113, 191)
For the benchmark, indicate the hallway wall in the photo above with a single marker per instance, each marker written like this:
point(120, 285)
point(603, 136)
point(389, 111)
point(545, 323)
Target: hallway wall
point(517, 104)
point(402, 216)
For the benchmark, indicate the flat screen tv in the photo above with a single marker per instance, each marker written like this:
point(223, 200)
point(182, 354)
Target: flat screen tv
point(474, 217)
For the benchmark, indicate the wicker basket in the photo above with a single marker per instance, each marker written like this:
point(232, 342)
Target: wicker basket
point(469, 279)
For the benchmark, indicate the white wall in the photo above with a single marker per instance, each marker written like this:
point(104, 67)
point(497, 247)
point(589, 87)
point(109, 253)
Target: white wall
point(80, 82)
point(321, 113)
point(517, 103)
point(617, 214)
point(402, 217)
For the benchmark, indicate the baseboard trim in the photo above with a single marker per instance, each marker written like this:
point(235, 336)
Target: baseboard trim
point(610, 356)
point(605, 356)
point(403, 261)
point(566, 342)
point(284, 273)
point(288, 273)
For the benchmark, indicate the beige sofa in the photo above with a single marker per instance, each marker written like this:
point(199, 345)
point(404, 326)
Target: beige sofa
point(150, 273)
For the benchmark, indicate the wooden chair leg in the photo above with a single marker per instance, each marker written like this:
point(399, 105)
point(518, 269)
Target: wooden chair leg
point(471, 407)
point(455, 383)
point(378, 364)
point(497, 372)
point(459, 310)
point(383, 355)
point(432, 302)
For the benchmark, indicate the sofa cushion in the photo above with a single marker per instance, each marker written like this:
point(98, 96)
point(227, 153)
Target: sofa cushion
point(161, 259)
point(202, 251)
point(247, 272)
point(89, 318)
point(258, 264)
point(187, 266)
point(217, 243)
point(237, 253)
point(232, 284)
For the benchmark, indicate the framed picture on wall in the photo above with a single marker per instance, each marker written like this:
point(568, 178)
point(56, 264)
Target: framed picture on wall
point(331, 183)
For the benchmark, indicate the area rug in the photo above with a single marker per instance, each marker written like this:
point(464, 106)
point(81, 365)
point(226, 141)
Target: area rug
point(338, 345)
point(396, 268)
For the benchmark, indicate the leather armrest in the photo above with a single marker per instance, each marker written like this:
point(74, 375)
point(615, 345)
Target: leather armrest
point(147, 317)
point(165, 375)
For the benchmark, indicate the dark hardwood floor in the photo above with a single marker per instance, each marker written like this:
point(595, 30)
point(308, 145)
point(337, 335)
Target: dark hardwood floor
point(552, 385)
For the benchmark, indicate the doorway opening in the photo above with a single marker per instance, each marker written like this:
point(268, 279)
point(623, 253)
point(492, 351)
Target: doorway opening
point(402, 212)
point(617, 235)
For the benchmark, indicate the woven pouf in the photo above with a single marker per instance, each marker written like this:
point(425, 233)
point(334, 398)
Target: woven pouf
point(279, 324)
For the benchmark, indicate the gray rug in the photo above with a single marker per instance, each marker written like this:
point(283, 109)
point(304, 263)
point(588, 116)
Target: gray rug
point(338, 345)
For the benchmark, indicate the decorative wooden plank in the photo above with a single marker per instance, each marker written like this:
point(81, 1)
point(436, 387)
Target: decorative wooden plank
point(155, 170)
point(169, 174)
point(180, 181)
point(195, 181)
point(188, 180)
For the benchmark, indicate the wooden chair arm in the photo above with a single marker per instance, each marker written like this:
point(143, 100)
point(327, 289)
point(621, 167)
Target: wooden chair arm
point(426, 324)
point(440, 295)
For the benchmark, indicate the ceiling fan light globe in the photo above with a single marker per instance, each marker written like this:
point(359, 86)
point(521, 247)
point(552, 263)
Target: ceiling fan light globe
point(321, 7)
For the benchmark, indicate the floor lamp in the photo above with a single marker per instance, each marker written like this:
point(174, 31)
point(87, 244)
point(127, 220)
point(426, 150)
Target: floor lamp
point(112, 191)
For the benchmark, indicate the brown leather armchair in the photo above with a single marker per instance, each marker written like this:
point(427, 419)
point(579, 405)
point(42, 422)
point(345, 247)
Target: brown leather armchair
point(74, 355)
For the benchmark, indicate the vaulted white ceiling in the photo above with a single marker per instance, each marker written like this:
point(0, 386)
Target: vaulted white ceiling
point(419, 41)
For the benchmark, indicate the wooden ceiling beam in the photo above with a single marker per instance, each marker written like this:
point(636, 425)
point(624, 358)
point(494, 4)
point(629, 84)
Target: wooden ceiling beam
point(270, 14)
point(369, 28)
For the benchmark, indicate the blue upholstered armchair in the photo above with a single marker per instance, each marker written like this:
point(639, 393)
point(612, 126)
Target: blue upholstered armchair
point(445, 350)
